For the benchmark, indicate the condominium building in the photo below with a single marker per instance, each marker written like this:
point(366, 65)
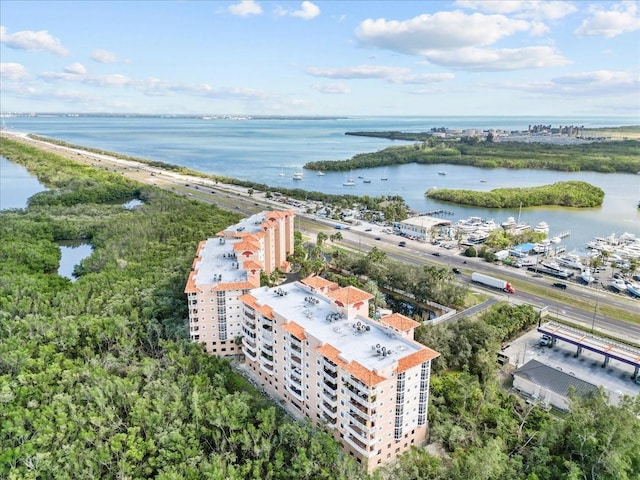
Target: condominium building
point(314, 346)
point(228, 266)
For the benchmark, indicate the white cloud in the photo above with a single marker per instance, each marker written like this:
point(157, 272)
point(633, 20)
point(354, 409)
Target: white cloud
point(491, 60)
point(598, 82)
point(398, 75)
point(441, 31)
point(307, 11)
point(13, 72)
point(32, 41)
point(76, 68)
point(104, 56)
point(245, 7)
point(332, 88)
point(621, 18)
point(69, 75)
point(538, 9)
point(358, 72)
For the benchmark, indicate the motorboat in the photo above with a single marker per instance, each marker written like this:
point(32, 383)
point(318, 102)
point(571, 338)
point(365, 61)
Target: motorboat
point(619, 285)
point(541, 227)
point(570, 260)
point(320, 173)
point(442, 173)
point(297, 175)
point(633, 289)
point(586, 276)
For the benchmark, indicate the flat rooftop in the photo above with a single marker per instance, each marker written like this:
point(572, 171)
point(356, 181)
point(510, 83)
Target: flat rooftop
point(316, 315)
point(218, 263)
point(426, 221)
point(250, 224)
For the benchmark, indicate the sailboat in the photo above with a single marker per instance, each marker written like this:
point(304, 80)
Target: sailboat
point(297, 175)
point(384, 177)
point(349, 182)
point(282, 172)
point(320, 173)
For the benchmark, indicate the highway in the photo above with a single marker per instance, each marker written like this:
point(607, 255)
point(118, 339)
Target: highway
point(230, 197)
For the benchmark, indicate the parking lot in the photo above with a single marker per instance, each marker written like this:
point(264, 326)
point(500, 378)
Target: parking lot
point(615, 378)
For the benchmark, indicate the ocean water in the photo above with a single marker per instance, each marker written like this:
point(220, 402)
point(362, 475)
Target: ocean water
point(269, 150)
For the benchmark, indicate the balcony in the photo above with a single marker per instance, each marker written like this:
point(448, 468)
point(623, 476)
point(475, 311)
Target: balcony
point(359, 419)
point(297, 382)
point(267, 337)
point(331, 397)
point(360, 433)
point(249, 354)
point(296, 392)
point(266, 358)
point(331, 411)
point(358, 445)
point(247, 343)
point(332, 374)
point(296, 348)
point(332, 386)
point(362, 410)
point(268, 349)
point(330, 420)
point(250, 323)
point(329, 366)
point(265, 367)
point(250, 314)
point(297, 361)
point(361, 394)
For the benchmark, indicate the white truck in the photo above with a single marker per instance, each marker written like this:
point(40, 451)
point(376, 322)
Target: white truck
point(492, 282)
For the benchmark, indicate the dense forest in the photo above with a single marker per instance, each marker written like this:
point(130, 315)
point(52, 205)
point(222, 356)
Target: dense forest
point(606, 157)
point(565, 194)
point(97, 379)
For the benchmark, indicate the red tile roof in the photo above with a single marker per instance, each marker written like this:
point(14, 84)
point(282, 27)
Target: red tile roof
point(349, 295)
point(416, 358)
point(294, 329)
point(400, 322)
point(359, 371)
point(191, 284)
point(315, 281)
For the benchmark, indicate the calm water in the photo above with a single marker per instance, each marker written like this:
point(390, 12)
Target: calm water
point(72, 253)
point(263, 149)
point(16, 185)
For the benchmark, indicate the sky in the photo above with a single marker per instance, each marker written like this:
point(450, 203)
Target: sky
point(333, 58)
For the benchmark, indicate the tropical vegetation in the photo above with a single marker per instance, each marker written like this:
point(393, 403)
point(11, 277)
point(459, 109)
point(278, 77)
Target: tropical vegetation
point(566, 194)
point(606, 157)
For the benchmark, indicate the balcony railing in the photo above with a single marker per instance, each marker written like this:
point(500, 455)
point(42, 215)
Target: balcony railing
point(296, 392)
point(328, 383)
point(362, 410)
point(327, 418)
point(296, 360)
point(360, 433)
point(296, 381)
point(357, 418)
point(358, 445)
point(332, 411)
point(296, 348)
point(331, 397)
point(249, 344)
point(330, 373)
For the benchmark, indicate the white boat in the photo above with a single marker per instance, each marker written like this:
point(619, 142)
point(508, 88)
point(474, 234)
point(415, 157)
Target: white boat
point(570, 260)
point(320, 173)
point(541, 227)
point(552, 268)
point(587, 276)
point(384, 177)
point(366, 180)
point(509, 222)
point(633, 289)
point(442, 173)
point(297, 175)
point(556, 239)
point(619, 285)
point(349, 182)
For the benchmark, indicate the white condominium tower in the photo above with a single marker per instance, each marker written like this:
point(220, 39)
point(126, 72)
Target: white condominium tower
point(229, 265)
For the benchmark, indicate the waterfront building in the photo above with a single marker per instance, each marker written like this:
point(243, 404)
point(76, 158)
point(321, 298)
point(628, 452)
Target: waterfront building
point(313, 345)
point(229, 265)
point(422, 226)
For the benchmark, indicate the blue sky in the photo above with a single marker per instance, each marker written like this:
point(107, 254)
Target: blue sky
point(462, 57)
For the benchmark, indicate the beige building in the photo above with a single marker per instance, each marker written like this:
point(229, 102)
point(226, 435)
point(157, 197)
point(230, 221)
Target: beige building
point(228, 266)
point(314, 346)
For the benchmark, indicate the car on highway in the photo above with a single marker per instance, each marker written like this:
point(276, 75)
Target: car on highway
point(402, 244)
point(436, 254)
point(368, 229)
point(456, 271)
point(378, 238)
point(560, 285)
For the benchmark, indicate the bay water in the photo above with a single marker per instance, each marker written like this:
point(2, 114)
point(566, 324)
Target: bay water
point(269, 150)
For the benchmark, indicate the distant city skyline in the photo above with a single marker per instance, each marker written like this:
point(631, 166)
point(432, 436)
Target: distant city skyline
point(331, 58)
